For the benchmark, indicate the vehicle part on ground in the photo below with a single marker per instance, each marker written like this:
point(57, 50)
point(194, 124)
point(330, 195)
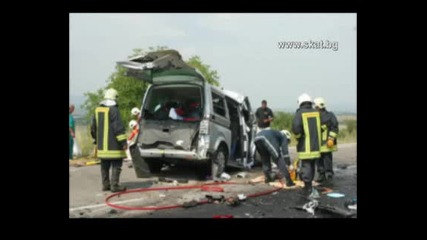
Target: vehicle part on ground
point(107, 200)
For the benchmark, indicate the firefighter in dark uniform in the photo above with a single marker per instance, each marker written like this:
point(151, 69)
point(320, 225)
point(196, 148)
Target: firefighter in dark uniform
point(274, 144)
point(306, 127)
point(329, 131)
point(108, 133)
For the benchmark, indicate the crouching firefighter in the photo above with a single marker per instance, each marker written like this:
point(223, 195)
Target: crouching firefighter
point(329, 131)
point(306, 127)
point(108, 133)
point(274, 144)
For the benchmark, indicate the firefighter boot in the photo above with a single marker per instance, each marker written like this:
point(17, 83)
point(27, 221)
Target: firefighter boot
point(287, 178)
point(115, 187)
point(320, 178)
point(269, 177)
point(105, 175)
point(307, 188)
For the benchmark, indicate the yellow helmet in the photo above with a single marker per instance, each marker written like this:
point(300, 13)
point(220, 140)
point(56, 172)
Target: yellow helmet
point(319, 102)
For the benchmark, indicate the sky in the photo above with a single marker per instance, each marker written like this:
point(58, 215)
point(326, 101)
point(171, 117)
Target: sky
point(245, 49)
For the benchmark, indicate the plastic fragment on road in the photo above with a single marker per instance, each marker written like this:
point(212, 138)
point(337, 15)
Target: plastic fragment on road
point(93, 162)
point(311, 206)
point(241, 197)
point(335, 195)
point(257, 179)
point(326, 190)
point(282, 185)
point(242, 175)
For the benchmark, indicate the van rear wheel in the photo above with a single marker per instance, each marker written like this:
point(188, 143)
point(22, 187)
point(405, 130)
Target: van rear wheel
point(154, 165)
point(219, 161)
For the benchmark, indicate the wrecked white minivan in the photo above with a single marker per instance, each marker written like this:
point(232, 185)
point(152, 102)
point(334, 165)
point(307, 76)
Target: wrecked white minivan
point(185, 120)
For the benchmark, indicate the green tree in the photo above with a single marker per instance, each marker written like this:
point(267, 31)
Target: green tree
point(211, 76)
point(132, 90)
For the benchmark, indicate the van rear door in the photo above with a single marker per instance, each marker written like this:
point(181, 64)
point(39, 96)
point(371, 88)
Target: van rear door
point(161, 67)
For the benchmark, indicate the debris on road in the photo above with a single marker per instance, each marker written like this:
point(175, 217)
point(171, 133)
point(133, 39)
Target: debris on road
point(242, 175)
point(257, 179)
point(337, 211)
point(282, 185)
point(171, 180)
point(351, 204)
point(189, 204)
point(241, 197)
point(335, 195)
point(90, 163)
point(215, 198)
point(310, 206)
point(232, 201)
point(326, 190)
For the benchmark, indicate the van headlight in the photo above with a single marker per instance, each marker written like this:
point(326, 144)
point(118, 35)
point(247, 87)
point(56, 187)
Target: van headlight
point(204, 127)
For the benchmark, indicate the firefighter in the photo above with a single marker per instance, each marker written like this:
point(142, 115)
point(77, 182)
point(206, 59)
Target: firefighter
point(136, 113)
point(274, 144)
point(108, 133)
point(306, 127)
point(133, 125)
point(329, 131)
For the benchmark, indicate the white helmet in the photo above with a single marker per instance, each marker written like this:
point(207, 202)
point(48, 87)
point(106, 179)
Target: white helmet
point(303, 98)
point(286, 133)
point(319, 102)
point(111, 93)
point(135, 111)
point(132, 124)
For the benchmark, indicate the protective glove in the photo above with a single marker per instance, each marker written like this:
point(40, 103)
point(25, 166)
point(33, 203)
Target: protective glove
point(330, 142)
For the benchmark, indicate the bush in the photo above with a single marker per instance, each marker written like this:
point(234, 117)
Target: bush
point(282, 120)
point(351, 125)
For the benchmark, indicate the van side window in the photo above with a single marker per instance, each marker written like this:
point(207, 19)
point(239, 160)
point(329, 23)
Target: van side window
point(218, 104)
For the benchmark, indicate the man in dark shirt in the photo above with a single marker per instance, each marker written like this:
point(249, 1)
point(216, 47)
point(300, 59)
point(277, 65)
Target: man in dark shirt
point(264, 116)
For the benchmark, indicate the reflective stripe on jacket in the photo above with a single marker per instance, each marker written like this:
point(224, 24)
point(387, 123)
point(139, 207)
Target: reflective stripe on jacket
point(306, 127)
point(109, 133)
point(329, 129)
point(275, 142)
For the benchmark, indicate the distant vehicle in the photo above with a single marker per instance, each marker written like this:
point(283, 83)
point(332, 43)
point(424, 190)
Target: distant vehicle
point(185, 120)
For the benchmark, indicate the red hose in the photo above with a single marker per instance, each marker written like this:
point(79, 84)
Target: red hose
point(174, 188)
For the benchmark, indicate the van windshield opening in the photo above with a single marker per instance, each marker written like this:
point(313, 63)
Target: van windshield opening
point(176, 102)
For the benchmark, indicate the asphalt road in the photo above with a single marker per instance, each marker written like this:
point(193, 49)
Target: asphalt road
point(87, 200)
